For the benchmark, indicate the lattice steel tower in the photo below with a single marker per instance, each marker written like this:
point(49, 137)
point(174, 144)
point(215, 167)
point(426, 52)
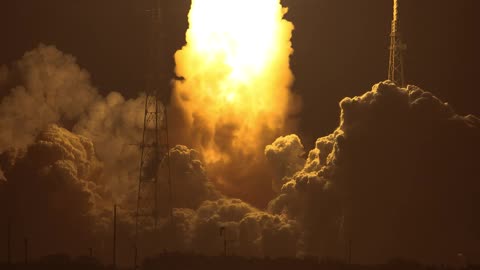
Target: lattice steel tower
point(397, 48)
point(155, 146)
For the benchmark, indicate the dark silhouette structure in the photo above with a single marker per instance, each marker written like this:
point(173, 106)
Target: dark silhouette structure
point(115, 236)
point(397, 48)
point(25, 242)
point(9, 241)
point(155, 143)
point(154, 146)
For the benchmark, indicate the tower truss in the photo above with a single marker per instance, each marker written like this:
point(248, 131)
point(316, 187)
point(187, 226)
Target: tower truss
point(397, 49)
point(155, 145)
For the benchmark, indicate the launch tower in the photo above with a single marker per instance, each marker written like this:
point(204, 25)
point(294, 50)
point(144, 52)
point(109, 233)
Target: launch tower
point(154, 146)
point(397, 48)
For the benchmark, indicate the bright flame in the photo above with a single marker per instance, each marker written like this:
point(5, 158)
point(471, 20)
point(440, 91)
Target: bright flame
point(237, 75)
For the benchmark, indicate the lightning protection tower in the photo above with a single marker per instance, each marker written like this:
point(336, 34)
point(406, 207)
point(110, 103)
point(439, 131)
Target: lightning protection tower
point(154, 146)
point(397, 48)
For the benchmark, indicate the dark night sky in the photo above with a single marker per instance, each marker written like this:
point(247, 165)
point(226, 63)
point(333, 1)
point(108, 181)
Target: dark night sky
point(340, 46)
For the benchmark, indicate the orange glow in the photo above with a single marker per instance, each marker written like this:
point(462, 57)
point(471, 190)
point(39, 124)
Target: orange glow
point(237, 74)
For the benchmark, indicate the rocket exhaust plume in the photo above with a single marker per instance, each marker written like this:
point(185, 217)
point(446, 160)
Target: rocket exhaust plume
point(235, 96)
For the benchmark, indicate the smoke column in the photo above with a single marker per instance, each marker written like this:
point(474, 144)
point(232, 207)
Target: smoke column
point(235, 94)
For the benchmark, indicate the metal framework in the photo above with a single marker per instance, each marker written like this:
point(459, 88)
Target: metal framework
point(397, 48)
point(154, 146)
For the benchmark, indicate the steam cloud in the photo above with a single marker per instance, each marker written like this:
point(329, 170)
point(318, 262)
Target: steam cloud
point(57, 179)
point(285, 154)
point(51, 188)
point(398, 177)
point(72, 160)
point(41, 90)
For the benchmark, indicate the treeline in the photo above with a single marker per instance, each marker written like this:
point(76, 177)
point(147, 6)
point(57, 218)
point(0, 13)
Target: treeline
point(178, 261)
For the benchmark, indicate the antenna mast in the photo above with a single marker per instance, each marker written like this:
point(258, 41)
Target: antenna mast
point(397, 48)
point(155, 146)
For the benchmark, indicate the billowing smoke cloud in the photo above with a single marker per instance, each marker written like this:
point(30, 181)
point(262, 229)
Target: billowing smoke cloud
point(398, 178)
point(51, 195)
point(191, 185)
point(66, 168)
point(47, 86)
point(41, 90)
point(235, 95)
point(59, 181)
point(249, 231)
point(115, 126)
point(285, 154)
point(201, 210)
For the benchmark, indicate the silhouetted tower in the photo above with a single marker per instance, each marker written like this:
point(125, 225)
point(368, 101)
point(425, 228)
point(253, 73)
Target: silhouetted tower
point(9, 240)
point(226, 241)
point(154, 147)
point(114, 253)
point(397, 48)
point(25, 245)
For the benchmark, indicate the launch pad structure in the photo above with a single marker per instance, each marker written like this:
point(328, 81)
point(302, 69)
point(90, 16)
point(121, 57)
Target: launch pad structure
point(397, 48)
point(155, 145)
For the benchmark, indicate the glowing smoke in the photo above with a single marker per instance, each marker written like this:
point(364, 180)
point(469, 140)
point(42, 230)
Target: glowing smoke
point(401, 168)
point(38, 90)
point(63, 164)
point(235, 96)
